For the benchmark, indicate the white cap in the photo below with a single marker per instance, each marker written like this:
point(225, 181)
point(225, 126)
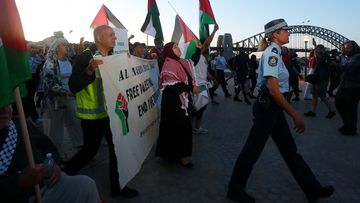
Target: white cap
point(275, 25)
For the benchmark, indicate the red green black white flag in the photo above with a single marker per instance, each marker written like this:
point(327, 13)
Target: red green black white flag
point(152, 25)
point(106, 17)
point(185, 38)
point(14, 57)
point(206, 18)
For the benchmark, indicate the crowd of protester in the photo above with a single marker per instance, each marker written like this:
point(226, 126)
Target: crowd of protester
point(63, 73)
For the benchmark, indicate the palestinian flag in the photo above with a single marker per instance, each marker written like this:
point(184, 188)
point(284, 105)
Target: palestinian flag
point(105, 17)
point(152, 25)
point(206, 18)
point(185, 38)
point(14, 57)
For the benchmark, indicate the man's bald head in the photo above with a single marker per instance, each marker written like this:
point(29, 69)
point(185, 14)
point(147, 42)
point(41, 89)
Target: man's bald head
point(99, 31)
point(104, 37)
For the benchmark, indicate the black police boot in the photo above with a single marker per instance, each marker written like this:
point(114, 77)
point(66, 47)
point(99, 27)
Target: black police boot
point(242, 197)
point(324, 192)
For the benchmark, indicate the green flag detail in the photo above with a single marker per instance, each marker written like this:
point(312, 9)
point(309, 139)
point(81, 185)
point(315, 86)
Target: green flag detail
point(152, 25)
point(206, 18)
point(14, 58)
point(185, 38)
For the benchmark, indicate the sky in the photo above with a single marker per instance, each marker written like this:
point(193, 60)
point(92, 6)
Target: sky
point(243, 19)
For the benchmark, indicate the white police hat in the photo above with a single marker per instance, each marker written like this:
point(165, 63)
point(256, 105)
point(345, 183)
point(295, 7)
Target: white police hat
point(275, 25)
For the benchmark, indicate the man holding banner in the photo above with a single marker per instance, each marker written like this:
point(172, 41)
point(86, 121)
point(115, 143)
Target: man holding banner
point(86, 83)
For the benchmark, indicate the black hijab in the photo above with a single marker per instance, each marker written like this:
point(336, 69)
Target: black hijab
point(168, 51)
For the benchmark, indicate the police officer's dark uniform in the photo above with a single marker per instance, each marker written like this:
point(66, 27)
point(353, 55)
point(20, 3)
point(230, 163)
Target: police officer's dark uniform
point(269, 120)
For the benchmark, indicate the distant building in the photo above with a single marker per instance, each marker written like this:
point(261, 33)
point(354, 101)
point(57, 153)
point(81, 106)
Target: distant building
point(220, 41)
point(228, 46)
point(225, 42)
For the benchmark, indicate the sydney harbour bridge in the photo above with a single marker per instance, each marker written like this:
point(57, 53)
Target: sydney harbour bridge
point(301, 39)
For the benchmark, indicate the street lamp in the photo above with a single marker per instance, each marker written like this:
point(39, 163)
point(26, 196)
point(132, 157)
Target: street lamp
point(306, 40)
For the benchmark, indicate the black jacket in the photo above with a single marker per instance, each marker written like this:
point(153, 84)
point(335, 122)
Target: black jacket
point(79, 79)
point(41, 145)
point(351, 73)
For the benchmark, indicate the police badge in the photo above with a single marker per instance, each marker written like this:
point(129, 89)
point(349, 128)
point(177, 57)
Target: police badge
point(273, 60)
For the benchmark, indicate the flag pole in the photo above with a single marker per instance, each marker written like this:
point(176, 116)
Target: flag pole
point(173, 7)
point(26, 137)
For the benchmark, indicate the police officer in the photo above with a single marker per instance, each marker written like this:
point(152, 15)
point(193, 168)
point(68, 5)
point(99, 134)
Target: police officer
point(269, 120)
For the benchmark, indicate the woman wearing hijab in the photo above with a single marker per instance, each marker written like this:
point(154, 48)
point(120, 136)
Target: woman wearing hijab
point(175, 136)
point(59, 101)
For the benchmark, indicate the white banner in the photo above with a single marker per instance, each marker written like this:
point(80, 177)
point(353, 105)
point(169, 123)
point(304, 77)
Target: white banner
point(122, 43)
point(132, 93)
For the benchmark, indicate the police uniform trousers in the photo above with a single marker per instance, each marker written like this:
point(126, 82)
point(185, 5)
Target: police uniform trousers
point(93, 132)
point(272, 123)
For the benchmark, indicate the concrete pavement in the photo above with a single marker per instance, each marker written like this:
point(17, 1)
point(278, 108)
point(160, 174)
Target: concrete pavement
point(333, 158)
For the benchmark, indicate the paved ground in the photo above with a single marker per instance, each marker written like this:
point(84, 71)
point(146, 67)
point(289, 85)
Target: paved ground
point(333, 158)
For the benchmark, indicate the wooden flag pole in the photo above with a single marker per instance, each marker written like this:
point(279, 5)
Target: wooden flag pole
point(26, 137)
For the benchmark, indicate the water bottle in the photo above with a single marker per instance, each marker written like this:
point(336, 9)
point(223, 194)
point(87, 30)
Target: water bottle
point(48, 164)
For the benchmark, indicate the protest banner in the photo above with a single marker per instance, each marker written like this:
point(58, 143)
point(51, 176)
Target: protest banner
point(131, 88)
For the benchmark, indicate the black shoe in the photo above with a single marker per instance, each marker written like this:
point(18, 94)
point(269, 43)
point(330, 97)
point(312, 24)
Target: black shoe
point(310, 114)
point(125, 192)
point(227, 95)
point(237, 99)
point(215, 102)
point(296, 99)
point(324, 192)
point(242, 197)
point(342, 128)
point(247, 101)
point(214, 94)
point(309, 99)
point(330, 114)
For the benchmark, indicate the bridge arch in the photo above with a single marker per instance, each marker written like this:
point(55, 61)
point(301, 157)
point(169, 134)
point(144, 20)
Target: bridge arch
point(332, 37)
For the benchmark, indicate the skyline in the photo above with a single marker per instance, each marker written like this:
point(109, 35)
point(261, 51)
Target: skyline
point(243, 19)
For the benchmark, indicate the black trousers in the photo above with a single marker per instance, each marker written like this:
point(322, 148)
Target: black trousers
point(294, 84)
point(346, 103)
point(253, 80)
point(239, 81)
point(334, 81)
point(221, 79)
point(94, 131)
point(28, 101)
point(271, 123)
